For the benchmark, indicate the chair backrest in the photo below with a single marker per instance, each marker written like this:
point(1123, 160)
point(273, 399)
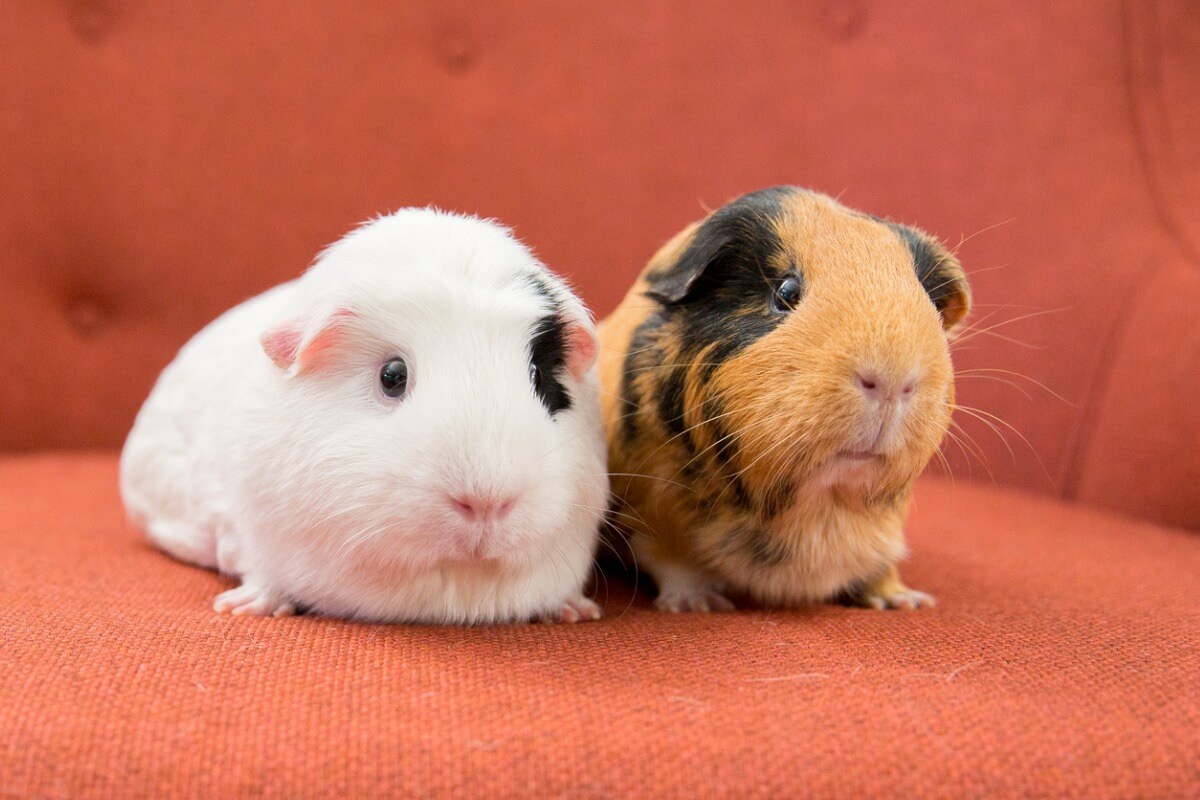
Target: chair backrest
point(161, 161)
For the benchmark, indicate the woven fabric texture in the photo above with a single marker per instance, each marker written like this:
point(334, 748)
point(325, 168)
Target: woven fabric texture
point(1061, 662)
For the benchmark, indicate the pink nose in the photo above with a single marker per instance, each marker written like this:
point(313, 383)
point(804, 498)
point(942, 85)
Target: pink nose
point(881, 388)
point(475, 508)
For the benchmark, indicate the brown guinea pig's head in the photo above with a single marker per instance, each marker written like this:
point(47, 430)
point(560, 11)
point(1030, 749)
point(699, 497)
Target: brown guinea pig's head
point(803, 345)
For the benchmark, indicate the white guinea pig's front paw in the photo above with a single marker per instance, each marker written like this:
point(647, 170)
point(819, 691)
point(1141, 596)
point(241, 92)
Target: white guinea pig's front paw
point(575, 609)
point(251, 599)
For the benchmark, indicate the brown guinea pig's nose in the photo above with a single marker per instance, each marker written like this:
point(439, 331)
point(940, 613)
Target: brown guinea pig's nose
point(880, 387)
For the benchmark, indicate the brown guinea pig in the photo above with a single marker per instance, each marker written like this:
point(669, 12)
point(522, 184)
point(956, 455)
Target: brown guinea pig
point(774, 382)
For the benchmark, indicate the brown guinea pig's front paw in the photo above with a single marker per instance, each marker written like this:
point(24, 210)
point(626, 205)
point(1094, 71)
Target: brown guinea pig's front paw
point(908, 599)
point(890, 592)
point(704, 601)
point(682, 589)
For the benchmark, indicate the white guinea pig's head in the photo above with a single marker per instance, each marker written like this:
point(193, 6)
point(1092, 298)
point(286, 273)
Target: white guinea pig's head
point(429, 379)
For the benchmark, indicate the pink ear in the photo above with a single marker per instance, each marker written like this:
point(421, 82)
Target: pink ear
point(581, 350)
point(298, 344)
point(281, 343)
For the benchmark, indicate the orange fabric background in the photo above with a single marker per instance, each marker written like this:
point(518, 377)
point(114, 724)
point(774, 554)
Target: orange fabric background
point(163, 161)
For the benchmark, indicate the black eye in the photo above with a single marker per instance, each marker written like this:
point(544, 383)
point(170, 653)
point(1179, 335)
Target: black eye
point(393, 377)
point(535, 377)
point(787, 295)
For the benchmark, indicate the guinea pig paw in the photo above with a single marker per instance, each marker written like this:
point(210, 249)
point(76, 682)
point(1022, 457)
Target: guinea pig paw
point(248, 599)
point(699, 598)
point(577, 609)
point(903, 598)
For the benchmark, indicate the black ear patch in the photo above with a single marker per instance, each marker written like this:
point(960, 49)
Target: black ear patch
point(547, 355)
point(743, 231)
point(674, 284)
point(716, 300)
point(939, 272)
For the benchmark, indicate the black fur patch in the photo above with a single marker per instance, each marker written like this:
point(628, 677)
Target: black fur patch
point(718, 294)
point(542, 287)
point(725, 449)
point(725, 443)
point(547, 355)
point(733, 261)
point(671, 386)
point(737, 238)
point(778, 498)
point(765, 550)
point(928, 260)
point(745, 540)
point(741, 497)
point(644, 355)
point(716, 301)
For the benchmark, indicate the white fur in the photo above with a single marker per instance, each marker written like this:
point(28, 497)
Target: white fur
point(318, 491)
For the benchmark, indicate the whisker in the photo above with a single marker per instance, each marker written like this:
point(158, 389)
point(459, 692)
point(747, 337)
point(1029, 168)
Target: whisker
point(649, 477)
point(984, 416)
point(1035, 382)
point(963, 240)
point(995, 379)
point(971, 331)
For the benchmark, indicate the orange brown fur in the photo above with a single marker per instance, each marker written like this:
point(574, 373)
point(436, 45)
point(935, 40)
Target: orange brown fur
point(726, 422)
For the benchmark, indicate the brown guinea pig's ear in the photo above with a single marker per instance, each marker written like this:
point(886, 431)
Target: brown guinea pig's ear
point(941, 276)
point(299, 343)
point(679, 265)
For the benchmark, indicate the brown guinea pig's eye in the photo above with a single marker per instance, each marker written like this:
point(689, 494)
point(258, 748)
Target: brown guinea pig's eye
point(787, 295)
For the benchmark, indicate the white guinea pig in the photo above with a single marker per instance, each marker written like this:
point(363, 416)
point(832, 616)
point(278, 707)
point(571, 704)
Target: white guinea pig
point(409, 432)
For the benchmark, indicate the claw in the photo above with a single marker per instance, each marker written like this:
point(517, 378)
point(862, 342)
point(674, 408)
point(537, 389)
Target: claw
point(576, 609)
point(703, 600)
point(907, 599)
point(247, 599)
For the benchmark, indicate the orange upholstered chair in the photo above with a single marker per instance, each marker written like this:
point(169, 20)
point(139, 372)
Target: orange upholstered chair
point(161, 161)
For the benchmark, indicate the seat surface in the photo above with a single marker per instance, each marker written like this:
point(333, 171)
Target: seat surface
point(1061, 660)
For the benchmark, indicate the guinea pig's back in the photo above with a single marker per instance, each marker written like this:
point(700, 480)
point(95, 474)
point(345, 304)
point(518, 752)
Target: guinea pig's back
point(171, 470)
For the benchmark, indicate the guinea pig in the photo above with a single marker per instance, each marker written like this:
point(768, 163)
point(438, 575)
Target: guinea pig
point(411, 431)
point(774, 382)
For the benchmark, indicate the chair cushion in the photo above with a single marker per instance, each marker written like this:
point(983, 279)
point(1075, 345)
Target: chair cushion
point(1061, 660)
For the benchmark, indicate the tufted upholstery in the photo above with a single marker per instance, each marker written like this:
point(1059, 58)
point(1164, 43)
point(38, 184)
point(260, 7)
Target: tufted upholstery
point(161, 161)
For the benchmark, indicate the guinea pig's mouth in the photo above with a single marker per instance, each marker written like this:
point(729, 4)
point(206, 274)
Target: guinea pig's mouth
point(470, 561)
point(476, 551)
point(858, 456)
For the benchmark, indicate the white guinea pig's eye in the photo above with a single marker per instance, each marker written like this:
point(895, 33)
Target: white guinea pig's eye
point(787, 295)
point(535, 376)
point(393, 377)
